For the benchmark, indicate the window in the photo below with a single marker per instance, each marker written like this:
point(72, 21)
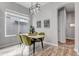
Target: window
point(15, 23)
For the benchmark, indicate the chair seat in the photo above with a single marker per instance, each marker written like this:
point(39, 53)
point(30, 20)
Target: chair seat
point(38, 40)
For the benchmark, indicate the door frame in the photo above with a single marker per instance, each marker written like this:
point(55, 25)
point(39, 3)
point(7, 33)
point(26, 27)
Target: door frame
point(62, 8)
point(58, 20)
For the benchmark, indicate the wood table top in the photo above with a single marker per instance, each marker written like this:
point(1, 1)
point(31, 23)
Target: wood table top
point(34, 36)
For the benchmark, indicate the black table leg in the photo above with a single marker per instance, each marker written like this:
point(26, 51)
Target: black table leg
point(42, 43)
point(33, 47)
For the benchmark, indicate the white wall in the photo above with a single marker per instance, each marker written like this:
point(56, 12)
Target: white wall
point(77, 27)
point(49, 11)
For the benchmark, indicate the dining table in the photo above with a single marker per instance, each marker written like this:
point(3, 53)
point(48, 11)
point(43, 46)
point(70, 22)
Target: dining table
point(35, 38)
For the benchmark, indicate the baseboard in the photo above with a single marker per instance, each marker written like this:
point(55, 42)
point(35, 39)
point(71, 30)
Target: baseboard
point(51, 43)
point(70, 38)
point(8, 45)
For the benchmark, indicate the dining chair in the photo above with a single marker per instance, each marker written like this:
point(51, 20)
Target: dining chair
point(20, 39)
point(20, 42)
point(41, 39)
point(41, 33)
point(28, 41)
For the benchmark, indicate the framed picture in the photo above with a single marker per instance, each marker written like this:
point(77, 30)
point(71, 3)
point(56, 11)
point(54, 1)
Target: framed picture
point(47, 23)
point(38, 24)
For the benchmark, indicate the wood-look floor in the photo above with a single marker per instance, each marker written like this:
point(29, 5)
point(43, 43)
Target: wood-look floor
point(60, 50)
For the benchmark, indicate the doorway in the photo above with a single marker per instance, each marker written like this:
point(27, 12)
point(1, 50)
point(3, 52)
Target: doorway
point(66, 25)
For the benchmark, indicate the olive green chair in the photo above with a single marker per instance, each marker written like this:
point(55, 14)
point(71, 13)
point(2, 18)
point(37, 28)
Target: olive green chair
point(20, 42)
point(39, 39)
point(41, 33)
point(19, 38)
point(28, 41)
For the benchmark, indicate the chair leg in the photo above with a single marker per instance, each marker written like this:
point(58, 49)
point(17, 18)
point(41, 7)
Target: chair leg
point(21, 47)
point(34, 47)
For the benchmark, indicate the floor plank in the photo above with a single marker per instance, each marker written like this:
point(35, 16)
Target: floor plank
point(60, 50)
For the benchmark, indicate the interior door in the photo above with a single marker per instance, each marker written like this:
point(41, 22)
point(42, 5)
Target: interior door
point(62, 25)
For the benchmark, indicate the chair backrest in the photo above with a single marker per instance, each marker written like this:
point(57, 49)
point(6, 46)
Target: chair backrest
point(19, 37)
point(26, 40)
point(41, 33)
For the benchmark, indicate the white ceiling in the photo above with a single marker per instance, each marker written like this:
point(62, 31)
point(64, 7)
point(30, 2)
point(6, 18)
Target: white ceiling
point(69, 7)
point(28, 4)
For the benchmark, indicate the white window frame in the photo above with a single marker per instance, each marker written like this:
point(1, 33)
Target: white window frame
point(11, 12)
